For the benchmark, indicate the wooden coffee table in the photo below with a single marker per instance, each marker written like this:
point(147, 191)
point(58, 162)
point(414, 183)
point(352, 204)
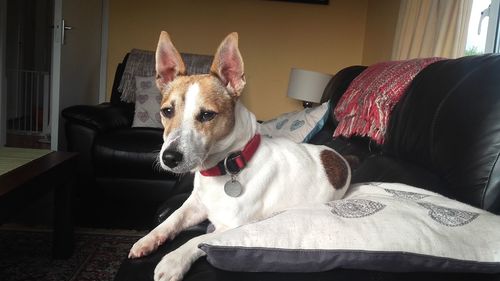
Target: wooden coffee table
point(23, 181)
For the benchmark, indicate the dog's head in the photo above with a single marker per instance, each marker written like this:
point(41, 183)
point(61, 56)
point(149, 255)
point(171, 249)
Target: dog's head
point(197, 110)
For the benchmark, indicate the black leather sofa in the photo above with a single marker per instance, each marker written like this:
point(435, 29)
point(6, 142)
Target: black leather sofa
point(118, 184)
point(444, 135)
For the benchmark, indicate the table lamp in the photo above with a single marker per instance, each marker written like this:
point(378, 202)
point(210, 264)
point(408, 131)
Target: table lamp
point(307, 86)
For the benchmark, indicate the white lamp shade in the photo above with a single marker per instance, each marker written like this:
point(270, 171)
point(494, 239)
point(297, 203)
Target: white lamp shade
point(307, 85)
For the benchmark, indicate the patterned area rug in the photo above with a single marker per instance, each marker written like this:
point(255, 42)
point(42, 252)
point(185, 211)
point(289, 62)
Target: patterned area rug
point(26, 255)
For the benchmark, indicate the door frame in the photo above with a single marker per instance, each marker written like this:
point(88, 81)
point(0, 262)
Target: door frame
point(56, 56)
point(55, 76)
point(103, 75)
point(56, 66)
point(3, 81)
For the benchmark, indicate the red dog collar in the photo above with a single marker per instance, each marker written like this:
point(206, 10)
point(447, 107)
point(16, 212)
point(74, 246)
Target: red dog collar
point(236, 161)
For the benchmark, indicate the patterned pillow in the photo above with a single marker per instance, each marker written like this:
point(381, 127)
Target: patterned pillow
point(377, 226)
point(147, 103)
point(299, 126)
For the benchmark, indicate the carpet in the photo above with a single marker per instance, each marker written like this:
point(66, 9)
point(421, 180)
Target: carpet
point(26, 255)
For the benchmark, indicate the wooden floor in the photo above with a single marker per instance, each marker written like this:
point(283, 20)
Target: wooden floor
point(26, 141)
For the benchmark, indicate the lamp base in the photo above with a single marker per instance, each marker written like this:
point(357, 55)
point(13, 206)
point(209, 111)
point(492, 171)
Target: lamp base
point(307, 104)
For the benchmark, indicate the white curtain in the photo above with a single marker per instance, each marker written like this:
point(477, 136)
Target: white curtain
point(431, 28)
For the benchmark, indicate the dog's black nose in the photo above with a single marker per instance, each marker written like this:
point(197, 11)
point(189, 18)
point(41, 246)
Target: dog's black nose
point(171, 158)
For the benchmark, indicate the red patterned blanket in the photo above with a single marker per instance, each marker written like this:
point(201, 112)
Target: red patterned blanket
point(365, 107)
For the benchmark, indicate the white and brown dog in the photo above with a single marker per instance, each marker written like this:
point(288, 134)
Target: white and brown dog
point(239, 177)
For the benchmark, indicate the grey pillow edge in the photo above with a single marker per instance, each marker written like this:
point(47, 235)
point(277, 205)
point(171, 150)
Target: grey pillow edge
point(259, 259)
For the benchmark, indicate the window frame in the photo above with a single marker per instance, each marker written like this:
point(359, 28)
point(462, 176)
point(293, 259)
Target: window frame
point(492, 37)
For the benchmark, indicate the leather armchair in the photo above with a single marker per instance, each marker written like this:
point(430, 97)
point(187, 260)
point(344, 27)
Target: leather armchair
point(120, 183)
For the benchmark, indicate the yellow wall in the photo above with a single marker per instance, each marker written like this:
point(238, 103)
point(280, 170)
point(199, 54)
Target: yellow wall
point(381, 21)
point(274, 37)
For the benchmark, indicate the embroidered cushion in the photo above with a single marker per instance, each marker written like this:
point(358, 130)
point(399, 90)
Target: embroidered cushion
point(298, 126)
point(377, 226)
point(147, 103)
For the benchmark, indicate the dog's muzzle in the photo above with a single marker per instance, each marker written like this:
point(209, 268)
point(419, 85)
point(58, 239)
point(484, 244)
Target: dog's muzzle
point(171, 158)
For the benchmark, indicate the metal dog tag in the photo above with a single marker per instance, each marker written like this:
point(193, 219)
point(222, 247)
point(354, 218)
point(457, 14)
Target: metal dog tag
point(233, 188)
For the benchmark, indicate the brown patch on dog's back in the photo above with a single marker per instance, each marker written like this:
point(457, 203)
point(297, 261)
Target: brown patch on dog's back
point(335, 168)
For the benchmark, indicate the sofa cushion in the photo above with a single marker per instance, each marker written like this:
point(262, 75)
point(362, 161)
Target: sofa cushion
point(201, 270)
point(377, 226)
point(129, 153)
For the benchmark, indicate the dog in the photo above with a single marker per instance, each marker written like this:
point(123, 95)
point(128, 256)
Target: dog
point(240, 176)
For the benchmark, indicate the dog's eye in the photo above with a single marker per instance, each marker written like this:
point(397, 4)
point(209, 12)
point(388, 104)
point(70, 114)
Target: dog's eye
point(205, 116)
point(168, 112)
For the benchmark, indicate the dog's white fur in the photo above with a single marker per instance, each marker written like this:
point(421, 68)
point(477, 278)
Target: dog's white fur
point(281, 174)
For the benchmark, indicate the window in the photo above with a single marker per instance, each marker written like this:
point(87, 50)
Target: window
point(482, 36)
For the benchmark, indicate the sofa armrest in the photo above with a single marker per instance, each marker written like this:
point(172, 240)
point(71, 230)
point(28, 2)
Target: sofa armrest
point(175, 202)
point(102, 117)
point(168, 207)
point(181, 191)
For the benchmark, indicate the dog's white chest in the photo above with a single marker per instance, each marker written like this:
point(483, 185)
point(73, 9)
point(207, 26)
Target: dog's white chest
point(223, 209)
point(275, 179)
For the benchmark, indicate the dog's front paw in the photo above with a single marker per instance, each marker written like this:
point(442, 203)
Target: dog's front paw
point(146, 245)
point(170, 268)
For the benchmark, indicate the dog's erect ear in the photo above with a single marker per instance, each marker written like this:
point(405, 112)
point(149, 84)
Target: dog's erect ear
point(228, 65)
point(169, 62)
